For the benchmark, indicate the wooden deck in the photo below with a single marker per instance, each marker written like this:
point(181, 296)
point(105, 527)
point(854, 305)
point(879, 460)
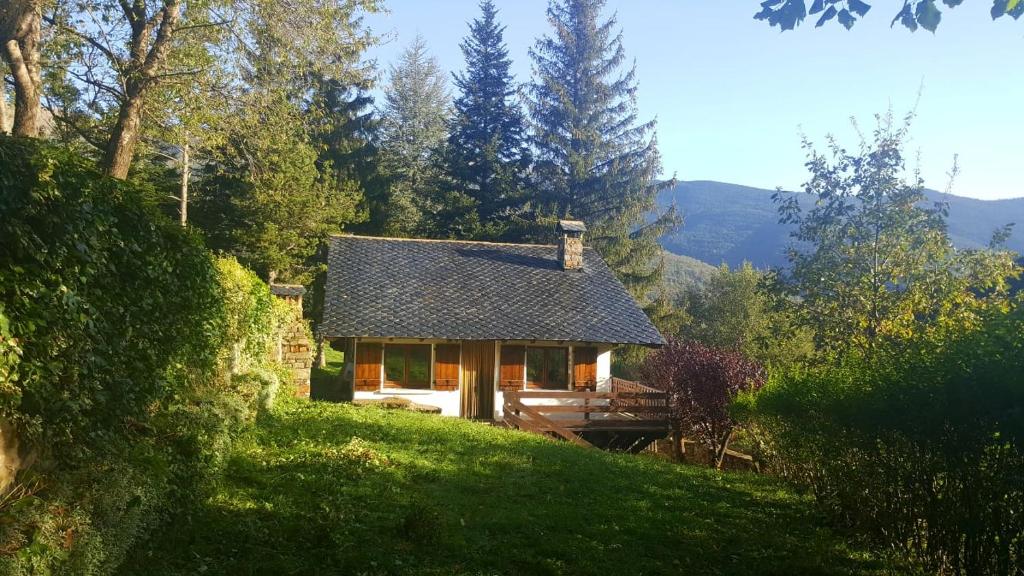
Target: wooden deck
point(628, 416)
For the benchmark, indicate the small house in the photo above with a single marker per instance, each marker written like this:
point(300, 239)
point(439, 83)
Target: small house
point(464, 326)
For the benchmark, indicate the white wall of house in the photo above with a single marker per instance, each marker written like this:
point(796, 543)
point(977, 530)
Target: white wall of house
point(450, 401)
point(604, 372)
point(604, 369)
point(447, 401)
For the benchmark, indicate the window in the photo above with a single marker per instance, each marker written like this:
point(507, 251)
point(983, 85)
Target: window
point(547, 368)
point(407, 366)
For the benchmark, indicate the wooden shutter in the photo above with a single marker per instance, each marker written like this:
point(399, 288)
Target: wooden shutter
point(584, 375)
point(446, 367)
point(368, 366)
point(513, 362)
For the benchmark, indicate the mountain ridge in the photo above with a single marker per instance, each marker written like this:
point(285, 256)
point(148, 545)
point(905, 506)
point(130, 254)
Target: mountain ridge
point(731, 223)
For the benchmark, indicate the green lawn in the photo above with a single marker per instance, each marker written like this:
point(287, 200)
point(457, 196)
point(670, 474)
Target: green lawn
point(321, 488)
point(325, 383)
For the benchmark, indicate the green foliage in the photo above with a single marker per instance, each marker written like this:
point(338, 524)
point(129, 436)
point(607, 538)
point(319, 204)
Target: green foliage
point(84, 521)
point(102, 295)
point(266, 201)
point(487, 157)
point(788, 14)
point(737, 310)
point(908, 428)
point(328, 488)
point(252, 321)
point(413, 129)
point(921, 447)
point(117, 333)
point(872, 263)
point(594, 161)
point(683, 273)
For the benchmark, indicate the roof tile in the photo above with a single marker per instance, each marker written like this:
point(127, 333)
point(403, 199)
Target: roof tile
point(387, 287)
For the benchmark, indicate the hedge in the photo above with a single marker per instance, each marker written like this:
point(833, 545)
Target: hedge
point(122, 339)
point(921, 447)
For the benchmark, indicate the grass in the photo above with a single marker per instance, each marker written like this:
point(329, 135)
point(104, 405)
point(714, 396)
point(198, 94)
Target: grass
point(325, 383)
point(319, 488)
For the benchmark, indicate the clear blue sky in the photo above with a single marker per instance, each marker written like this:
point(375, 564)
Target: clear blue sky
point(731, 94)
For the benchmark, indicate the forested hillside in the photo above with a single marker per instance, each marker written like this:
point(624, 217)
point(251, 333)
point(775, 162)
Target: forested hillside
point(731, 223)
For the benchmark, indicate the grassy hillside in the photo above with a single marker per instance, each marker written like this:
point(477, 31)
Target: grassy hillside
point(731, 223)
point(322, 488)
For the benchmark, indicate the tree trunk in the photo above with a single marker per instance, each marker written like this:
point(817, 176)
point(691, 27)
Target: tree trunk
point(186, 172)
point(722, 449)
point(3, 109)
point(117, 158)
point(678, 447)
point(145, 71)
point(320, 359)
point(19, 34)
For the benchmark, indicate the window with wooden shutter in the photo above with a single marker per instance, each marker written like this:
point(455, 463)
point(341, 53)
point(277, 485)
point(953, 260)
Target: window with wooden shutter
point(368, 366)
point(584, 368)
point(446, 367)
point(512, 360)
point(547, 368)
point(407, 366)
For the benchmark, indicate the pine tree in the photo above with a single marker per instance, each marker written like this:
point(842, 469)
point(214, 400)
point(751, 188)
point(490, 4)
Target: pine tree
point(413, 129)
point(487, 155)
point(595, 162)
point(345, 129)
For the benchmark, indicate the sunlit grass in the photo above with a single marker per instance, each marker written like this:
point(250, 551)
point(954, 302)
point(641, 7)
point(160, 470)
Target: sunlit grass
point(322, 488)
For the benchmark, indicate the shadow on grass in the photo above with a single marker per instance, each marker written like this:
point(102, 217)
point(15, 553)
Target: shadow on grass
point(322, 489)
point(326, 384)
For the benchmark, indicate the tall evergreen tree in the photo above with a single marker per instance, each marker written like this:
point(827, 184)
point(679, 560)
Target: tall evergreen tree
point(414, 124)
point(595, 162)
point(279, 181)
point(487, 155)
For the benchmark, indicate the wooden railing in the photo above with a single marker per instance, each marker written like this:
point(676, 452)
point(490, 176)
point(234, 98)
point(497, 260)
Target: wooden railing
point(552, 411)
point(633, 396)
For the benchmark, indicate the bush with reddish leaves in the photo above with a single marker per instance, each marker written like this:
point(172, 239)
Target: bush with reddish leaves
point(702, 382)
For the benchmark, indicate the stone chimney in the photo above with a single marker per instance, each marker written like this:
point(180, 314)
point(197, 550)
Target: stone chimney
point(570, 244)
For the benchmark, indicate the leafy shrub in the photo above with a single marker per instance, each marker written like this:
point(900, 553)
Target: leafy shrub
point(921, 447)
point(250, 313)
point(102, 295)
point(258, 387)
point(83, 521)
point(739, 310)
point(702, 382)
point(119, 336)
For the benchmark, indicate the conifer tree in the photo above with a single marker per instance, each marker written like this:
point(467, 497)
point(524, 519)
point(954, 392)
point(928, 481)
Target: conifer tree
point(594, 160)
point(413, 129)
point(487, 155)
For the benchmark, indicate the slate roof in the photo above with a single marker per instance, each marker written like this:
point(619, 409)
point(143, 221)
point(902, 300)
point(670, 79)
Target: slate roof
point(399, 288)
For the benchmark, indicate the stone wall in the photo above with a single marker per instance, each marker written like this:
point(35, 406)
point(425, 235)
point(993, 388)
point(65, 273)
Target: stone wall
point(297, 356)
point(295, 351)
